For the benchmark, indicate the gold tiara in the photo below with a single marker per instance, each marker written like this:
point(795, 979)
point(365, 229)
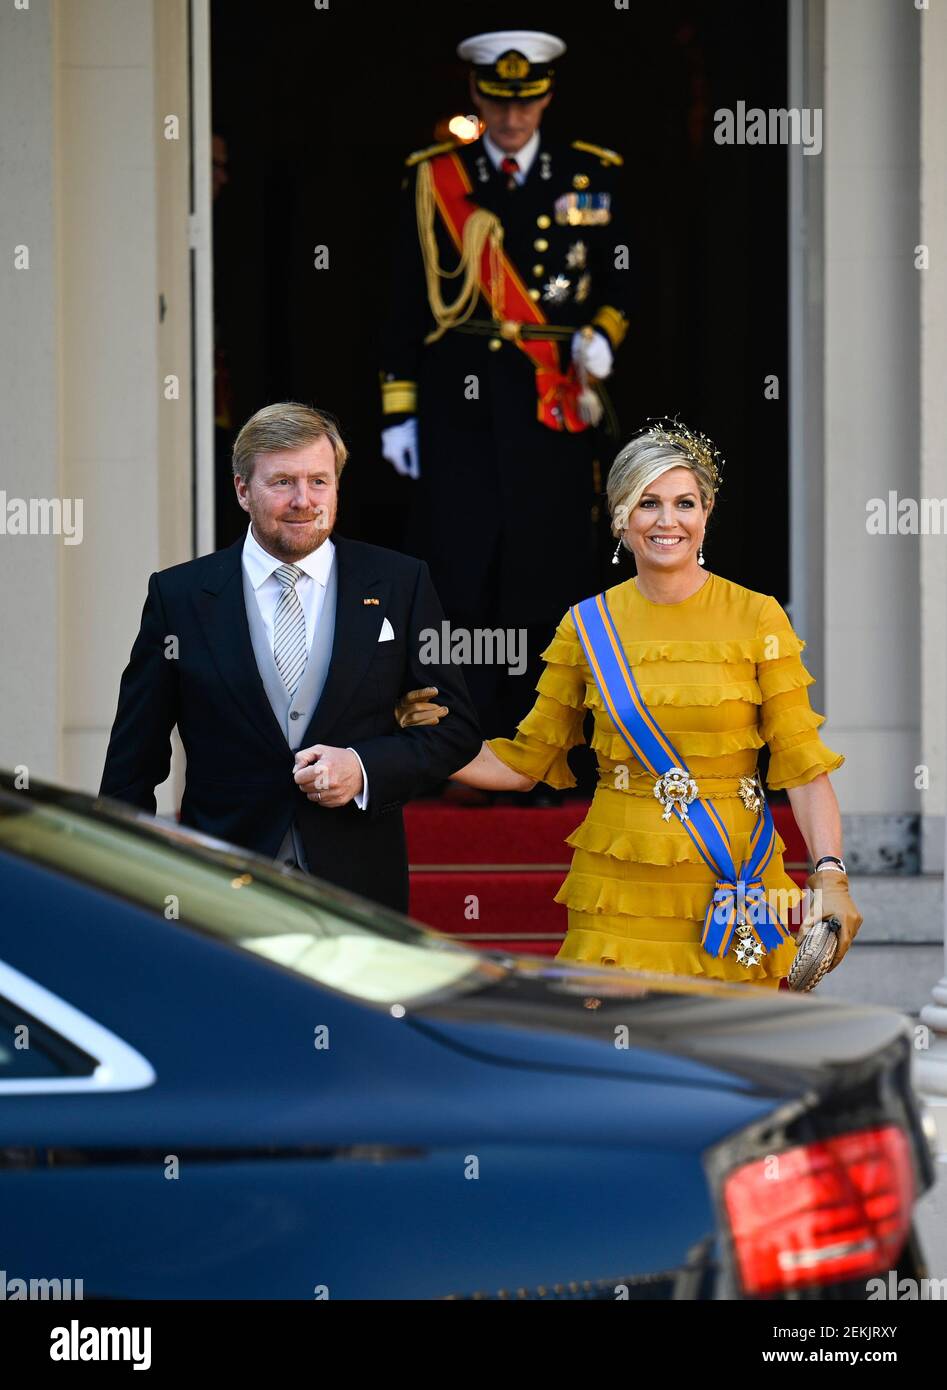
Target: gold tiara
point(695, 445)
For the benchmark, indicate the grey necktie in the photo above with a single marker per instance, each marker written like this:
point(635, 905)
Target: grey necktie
point(289, 629)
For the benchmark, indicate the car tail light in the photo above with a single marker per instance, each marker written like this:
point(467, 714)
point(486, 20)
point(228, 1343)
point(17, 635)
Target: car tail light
point(835, 1210)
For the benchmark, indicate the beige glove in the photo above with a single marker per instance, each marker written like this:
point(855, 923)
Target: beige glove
point(416, 708)
point(831, 899)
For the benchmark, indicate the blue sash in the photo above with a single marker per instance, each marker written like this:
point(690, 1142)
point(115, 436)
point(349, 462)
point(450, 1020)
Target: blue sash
point(738, 897)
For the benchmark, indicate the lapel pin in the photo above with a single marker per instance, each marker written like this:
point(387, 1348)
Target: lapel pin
point(370, 600)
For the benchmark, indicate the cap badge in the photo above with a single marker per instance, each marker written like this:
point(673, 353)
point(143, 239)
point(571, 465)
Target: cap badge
point(512, 65)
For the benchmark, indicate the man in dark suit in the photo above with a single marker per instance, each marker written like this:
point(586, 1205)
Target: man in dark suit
point(280, 660)
point(490, 378)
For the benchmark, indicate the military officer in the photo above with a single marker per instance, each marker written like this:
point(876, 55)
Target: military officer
point(510, 297)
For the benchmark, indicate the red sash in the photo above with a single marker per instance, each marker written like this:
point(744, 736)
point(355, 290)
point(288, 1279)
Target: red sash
point(557, 391)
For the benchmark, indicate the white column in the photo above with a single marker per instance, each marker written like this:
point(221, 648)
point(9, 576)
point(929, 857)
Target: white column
point(931, 1063)
point(932, 238)
point(807, 521)
point(100, 198)
point(30, 696)
point(872, 629)
point(202, 248)
point(111, 389)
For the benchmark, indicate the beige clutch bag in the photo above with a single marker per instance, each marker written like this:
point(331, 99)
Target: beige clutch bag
point(815, 954)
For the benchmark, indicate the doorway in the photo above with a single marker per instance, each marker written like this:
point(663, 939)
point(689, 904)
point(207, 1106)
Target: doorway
point(313, 113)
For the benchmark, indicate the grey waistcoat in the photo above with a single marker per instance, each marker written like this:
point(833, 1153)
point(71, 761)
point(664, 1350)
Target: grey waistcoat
point(293, 715)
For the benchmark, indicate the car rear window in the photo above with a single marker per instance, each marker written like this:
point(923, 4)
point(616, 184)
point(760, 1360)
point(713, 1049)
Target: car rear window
point(28, 1049)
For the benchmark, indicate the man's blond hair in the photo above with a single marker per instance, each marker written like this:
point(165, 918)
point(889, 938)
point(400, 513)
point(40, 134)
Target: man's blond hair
point(287, 425)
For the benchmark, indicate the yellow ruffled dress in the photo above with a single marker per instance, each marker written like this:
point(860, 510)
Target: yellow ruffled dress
point(721, 672)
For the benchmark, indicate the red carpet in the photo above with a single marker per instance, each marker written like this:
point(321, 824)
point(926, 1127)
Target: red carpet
point(488, 875)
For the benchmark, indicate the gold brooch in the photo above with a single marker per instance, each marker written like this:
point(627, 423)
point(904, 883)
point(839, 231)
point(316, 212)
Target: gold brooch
point(751, 792)
point(675, 790)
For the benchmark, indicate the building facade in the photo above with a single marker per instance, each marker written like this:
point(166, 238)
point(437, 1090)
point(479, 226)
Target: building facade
point(107, 397)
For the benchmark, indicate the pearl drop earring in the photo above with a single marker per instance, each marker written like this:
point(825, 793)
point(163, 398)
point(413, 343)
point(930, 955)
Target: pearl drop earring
point(618, 549)
point(700, 553)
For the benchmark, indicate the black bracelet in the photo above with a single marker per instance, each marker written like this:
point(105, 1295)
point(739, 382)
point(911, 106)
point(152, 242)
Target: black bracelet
point(831, 859)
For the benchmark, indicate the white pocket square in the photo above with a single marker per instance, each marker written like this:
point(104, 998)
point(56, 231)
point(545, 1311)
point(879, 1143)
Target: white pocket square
point(387, 633)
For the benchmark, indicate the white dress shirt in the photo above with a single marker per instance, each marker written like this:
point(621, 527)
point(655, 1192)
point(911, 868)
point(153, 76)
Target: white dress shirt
point(260, 568)
point(523, 157)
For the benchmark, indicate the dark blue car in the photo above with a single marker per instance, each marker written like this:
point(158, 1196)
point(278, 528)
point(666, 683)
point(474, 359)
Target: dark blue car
point(219, 1079)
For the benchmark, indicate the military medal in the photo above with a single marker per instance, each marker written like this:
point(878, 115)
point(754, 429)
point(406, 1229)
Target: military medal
point(583, 209)
point(750, 951)
point(583, 287)
point(556, 289)
point(576, 255)
point(545, 165)
point(482, 174)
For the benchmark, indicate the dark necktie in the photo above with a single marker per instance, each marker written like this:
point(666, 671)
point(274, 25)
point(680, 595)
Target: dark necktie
point(511, 169)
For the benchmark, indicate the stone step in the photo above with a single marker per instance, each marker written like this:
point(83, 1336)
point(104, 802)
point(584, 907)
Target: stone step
point(898, 955)
point(902, 908)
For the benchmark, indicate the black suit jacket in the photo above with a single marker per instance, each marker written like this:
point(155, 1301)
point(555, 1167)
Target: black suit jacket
point(193, 666)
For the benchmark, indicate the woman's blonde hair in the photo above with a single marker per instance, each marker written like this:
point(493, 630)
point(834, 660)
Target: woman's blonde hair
point(650, 454)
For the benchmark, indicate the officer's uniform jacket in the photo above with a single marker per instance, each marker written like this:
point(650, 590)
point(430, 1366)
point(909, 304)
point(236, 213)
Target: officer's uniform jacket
point(474, 389)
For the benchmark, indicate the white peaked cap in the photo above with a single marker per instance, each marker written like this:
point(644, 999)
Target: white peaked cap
point(534, 45)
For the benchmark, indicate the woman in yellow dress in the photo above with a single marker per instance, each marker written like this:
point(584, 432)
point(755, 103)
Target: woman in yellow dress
point(719, 667)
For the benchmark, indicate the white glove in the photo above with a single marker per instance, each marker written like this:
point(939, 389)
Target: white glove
point(399, 445)
point(592, 354)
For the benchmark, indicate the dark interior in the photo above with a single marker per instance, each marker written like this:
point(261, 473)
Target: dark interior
point(318, 109)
